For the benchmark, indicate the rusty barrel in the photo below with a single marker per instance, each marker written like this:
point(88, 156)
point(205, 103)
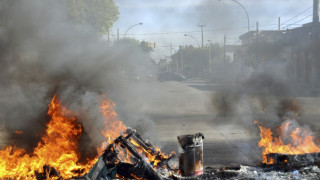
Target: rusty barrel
point(190, 149)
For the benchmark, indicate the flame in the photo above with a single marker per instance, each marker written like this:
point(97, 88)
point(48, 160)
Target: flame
point(58, 147)
point(153, 157)
point(18, 132)
point(292, 140)
point(113, 127)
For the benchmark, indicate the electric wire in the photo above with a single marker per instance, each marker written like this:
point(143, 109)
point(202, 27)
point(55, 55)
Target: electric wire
point(296, 16)
point(186, 32)
point(298, 21)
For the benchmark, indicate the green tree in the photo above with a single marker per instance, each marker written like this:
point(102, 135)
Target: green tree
point(100, 14)
point(129, 43)
point(138, 59)
point(196, 60)
point(146, 46)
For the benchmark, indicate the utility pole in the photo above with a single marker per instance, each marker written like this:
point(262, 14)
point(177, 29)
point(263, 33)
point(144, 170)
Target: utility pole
point(257, 31)
point(108, 37)
point(118, 34)
point(181, 65)
point(279, 23)
point(315, 12)
point(224, 49)
point(202, 25)
point(257, 39)
point(209, 59)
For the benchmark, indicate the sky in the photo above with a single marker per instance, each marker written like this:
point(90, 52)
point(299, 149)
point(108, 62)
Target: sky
point(166, 22)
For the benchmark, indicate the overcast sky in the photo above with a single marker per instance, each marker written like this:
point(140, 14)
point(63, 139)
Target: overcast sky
point(166, 21)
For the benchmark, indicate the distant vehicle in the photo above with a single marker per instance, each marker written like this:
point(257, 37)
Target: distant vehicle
point(170, 76)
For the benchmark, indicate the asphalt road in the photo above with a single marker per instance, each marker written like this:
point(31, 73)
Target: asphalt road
point(178, 108)
point(174, 108)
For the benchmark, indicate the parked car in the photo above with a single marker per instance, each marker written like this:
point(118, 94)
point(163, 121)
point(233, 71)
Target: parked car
point(170, 76)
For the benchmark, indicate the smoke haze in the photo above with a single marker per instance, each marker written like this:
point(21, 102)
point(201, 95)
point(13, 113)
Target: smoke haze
point(43, 54)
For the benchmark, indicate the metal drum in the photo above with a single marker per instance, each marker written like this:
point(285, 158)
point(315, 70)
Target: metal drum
point(190, 149)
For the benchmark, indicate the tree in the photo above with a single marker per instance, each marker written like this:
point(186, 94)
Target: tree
point(129, 43)
point(137, 58)
point(145, 46)
point(195, 61)
point(100, 14)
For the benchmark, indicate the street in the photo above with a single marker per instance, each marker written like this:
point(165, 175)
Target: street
point(171, 108)
point(186, 108)
point(179, 108)
point(79, 77)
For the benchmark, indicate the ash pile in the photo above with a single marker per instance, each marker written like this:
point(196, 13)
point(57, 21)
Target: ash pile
point(284, 167)
point(243, 172)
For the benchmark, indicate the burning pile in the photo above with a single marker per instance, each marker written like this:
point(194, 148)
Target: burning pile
point(294, 145)
point(57, 155)
point(129, 156)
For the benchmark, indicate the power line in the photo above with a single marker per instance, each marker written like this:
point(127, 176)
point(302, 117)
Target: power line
point(298, 20)
point(297, 15)
point(186, 32)
point(285, 22)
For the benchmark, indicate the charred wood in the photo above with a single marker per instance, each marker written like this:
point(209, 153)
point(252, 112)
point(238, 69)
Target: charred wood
point(48, 173)
point(289, 162)
point(149, 171)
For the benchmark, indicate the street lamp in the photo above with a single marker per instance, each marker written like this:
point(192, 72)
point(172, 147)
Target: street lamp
point(131, 27)
point(193, 38)
point(245, 10)
point(209, 59)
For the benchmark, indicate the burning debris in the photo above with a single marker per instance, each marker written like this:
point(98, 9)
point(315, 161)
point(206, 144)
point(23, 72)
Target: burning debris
point(126, 155)
point(287, 161)
point(294, 144)
point(135, 164)
point(57, 155)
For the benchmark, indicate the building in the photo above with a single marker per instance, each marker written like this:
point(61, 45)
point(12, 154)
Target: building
point(164, 64)
point(297, 49)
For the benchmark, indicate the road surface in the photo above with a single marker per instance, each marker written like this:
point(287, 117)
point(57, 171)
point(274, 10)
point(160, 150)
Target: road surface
point(170, 109)
point(178, 108)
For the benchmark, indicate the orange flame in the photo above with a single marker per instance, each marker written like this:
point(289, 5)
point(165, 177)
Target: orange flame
point(59, 146)
point(298, 141)
point(18, 132)
point(113, 127)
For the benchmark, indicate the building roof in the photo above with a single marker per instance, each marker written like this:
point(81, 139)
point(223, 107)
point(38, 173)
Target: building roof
point(262, 33)
point(232, 48)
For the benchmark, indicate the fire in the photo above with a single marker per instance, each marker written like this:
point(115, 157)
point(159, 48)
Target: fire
point(154, 157)
point(58, 147)
point(18, 132)
point(292, 140)
point(113, 127)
